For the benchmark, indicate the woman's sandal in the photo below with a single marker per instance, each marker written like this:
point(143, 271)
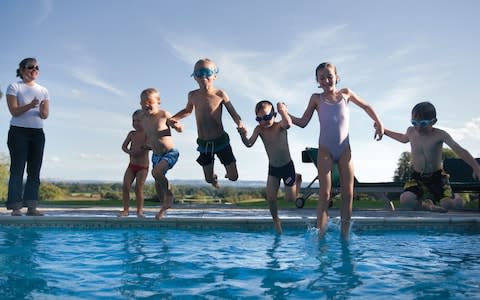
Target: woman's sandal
point(16, 213)
point(34, 213)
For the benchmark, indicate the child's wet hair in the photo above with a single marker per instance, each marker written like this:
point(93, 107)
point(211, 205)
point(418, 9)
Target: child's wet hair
point(263, 103)
point(147, 92)
point(137, 112)
point(327, 65)
point(205, 61)
point(424, 111)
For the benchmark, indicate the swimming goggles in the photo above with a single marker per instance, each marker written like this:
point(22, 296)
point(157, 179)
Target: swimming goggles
point(204, 72)
point(266, 117)
point(422, 123)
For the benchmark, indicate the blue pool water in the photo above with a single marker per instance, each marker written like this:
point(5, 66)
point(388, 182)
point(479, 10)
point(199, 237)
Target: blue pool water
point(66, 263)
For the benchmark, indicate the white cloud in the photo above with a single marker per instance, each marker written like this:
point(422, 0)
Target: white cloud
point(470, 131)
point(92, 79)
point(45, 10)
point(91, 156)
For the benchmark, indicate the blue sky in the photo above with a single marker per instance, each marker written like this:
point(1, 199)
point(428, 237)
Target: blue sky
point(97, 56)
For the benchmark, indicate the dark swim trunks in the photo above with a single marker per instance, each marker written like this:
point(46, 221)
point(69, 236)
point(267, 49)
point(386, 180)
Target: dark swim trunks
point(434, 186)
point(286, 172)
point(220, 146)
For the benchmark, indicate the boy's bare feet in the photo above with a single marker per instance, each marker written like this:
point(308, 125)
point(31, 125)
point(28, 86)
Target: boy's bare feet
point(430, 206)
point(215, 182)
point(140, 215)
point(161, 213)
point(168, 203)
point(123, 213)
point(278, 225)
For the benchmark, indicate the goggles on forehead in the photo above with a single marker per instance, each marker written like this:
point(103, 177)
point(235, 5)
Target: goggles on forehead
point(204, 72)
point(266, 117)
point(422, 123)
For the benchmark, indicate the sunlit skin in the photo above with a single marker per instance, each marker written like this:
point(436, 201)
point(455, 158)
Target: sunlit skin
point(160, 141)
point(426, 144)
point(327, 79)
point(275, 141)
point(208, 102)
point(135, 146)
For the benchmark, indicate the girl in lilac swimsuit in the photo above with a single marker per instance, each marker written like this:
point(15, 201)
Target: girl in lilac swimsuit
point(333, 144)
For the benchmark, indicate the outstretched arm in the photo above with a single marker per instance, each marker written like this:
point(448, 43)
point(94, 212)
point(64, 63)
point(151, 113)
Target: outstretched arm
point(379, 130)
point(173, 124)
point(286, 121)
point(463, 154)
point(248, 141)
point(233, 113)
point(307, 115)
point(402, 138)
point(172, 121)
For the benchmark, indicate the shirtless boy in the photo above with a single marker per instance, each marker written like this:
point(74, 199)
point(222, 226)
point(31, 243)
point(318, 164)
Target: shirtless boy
point(280, 164)
point(159, 140)
point(208, 102)
point(135, 146)
point(429, 185)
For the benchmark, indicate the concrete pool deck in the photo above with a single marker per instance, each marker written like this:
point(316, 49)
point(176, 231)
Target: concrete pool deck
point(222, 216)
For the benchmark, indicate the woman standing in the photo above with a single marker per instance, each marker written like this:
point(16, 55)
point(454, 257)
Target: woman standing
point(28, 104)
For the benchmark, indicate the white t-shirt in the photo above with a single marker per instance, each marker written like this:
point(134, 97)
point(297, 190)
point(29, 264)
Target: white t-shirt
point(25, 94)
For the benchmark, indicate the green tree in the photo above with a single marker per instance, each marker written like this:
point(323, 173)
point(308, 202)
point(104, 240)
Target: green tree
point(4, 174)
point(51, 192)
point(404, 167)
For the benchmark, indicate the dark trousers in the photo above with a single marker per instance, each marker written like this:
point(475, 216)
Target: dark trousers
point(26, 148)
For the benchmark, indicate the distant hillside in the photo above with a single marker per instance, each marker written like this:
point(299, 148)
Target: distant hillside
point(223, 183)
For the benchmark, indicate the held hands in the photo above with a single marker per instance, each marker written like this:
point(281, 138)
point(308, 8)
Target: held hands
point(178, 127)
point(175, 125)
point(242, 131)
point(282, 108)
point(379, 131)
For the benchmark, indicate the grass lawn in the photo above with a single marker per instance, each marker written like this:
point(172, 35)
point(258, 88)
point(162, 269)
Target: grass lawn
point(311, 202)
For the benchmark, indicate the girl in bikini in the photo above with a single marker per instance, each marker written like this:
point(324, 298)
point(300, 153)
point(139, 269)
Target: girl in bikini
point(333, 145)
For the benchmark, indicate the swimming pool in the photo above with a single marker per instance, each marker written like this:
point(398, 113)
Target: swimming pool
point(157, 263)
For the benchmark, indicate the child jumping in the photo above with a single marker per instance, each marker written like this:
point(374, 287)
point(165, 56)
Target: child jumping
point(429, 186)
point(137, 170)
point(275, 139)
point(208, 102)
point(333, 145)
point(159, 140)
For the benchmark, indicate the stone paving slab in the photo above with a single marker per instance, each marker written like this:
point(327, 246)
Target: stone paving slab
point(237, 218)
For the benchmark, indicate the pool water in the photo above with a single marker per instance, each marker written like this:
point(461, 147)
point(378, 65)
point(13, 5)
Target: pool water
point(69, 263)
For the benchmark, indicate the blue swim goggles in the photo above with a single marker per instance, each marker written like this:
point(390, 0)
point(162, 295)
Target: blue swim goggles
point(422, 123)
point(204, 72)
point(266, 117)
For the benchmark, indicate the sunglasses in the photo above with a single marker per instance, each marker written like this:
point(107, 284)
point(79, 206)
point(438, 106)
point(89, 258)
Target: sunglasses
point(32, 67)
point(422, 123)
point(266, 117)
point(204, 72)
